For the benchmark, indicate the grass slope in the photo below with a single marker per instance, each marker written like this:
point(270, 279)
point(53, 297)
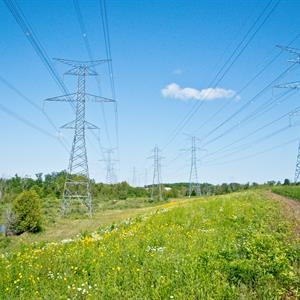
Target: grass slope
point(237, 246)
point(66, 228)
point(288, 191)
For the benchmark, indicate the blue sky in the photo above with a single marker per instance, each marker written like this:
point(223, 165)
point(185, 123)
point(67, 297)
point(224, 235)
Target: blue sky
point(154, 44)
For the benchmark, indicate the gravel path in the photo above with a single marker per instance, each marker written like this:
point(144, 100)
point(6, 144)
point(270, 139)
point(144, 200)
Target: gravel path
point(292, 208)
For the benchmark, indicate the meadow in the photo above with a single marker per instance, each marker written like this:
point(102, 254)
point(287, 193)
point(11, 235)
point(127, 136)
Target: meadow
point(288, 191)
point(236, 246)
point(56, 227)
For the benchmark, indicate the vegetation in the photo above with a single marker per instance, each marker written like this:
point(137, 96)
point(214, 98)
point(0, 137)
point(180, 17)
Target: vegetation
point(66, 228)
point(237, 246)
point(26, 213)
point(49, 188)
point(288, 191)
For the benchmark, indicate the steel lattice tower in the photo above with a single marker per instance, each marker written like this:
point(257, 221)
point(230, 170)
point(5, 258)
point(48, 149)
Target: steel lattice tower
point(77, 184)
point(293, 85)
point(193, 179)
point(297, 171)
point(109, 164)
point(194, 184)
point(156, 183)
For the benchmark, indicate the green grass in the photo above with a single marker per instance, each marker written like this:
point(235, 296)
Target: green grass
point(66, 228)
point(56, 227)
point(238, 246)
point(288, 191)
point(2, 212)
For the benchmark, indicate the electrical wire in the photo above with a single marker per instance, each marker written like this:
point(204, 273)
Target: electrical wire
point(231, 60)
point(90, 55)
point(40, 109)
point(255, 154)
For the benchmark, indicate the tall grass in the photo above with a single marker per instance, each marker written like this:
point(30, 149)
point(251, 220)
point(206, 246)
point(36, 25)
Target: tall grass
point(238, 246)
point(288, 191)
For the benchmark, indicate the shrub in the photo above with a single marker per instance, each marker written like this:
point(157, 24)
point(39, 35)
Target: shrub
point(27, 212)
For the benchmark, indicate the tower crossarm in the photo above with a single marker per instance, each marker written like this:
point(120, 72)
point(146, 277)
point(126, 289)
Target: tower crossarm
point(96, 98)
point(72, 125)
point(87, 64)
point(289, 85)
point(64, 98)
point(290, 49)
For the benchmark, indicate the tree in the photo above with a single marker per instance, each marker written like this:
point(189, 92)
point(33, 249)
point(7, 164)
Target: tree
point(27, 212)
point(286, 182)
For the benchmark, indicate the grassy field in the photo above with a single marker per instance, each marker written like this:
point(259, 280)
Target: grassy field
point(58, 228)
point(238, 246)
point(288, 191)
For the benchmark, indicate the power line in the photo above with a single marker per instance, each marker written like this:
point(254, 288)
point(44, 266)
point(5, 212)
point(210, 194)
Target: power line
point(40, 109)
point(37, 46)
point(250, 101)
point(28, 123)
point(90, 55)
point(255, 154)
point(35, 42)
point(293, 85)
point(250, 134)
point(251, 117)
point(263, 69)
point(257, 141)
point(217, 80)
point(104, 20)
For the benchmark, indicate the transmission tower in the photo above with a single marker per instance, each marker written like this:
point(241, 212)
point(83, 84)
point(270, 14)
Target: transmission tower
point(111, 176)
point(293, 85)
point(194, 185)
point(77, 184)
point(297, 171)
point(156, 183)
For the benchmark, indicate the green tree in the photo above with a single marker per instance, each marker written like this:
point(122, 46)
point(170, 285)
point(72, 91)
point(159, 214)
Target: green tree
point(27, 211)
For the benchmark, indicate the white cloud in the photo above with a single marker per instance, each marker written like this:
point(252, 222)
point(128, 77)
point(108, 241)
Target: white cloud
point(173, 90)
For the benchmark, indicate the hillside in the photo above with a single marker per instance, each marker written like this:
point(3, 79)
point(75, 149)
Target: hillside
point(237, 246)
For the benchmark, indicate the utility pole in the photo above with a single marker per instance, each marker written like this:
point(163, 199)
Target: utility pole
point(156, 183)
point(77, 184)
point(293, 85)
point(109, 164)
point(194, 185)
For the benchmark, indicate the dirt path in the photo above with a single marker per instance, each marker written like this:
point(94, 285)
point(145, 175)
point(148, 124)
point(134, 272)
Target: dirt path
point(292, 208)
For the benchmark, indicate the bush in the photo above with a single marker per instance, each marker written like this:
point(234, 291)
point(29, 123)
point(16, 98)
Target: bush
point(27, 212)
